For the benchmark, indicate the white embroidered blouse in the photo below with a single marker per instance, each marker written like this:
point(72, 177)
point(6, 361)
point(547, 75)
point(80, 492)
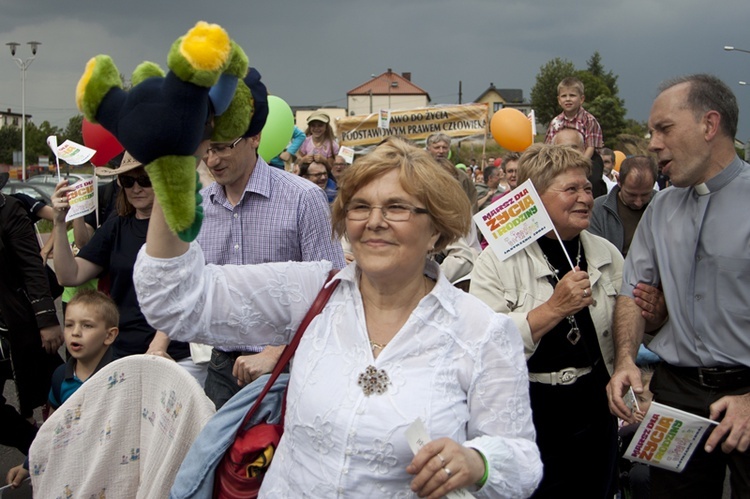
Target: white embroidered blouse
point(455, 363)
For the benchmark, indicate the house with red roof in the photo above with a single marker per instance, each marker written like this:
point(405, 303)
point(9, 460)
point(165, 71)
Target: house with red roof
point(386, 91)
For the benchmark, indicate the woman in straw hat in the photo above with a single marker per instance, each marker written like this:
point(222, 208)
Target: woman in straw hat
point(112, 251)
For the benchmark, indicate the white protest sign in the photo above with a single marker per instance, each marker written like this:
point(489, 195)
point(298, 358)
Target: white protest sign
point(82, 199)
point(667, 437)
point(514, 221)
point(532, 118)
point(384, 119)
point(74, 154)
point(52, 143)
point(347, 153)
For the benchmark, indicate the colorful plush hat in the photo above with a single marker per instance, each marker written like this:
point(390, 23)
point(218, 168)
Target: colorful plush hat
point(260, 102)
point(162, 119)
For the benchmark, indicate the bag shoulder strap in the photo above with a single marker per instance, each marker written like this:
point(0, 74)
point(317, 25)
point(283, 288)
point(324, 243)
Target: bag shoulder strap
point(317, 306)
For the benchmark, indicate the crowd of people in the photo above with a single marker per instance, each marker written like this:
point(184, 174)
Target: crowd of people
point(517, 367)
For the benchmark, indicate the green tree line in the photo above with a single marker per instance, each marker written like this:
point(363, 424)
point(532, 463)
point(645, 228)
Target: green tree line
point(36, 139)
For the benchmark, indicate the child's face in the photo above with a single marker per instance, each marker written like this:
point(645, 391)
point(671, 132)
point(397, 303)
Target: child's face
point(317, 128)
point(86, 335)
point(570, 100)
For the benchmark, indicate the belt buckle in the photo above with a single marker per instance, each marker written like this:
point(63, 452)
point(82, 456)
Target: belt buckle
point(567, 376)
point(702, 381)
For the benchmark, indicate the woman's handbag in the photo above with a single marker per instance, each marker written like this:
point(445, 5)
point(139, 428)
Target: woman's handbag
point(241, 470)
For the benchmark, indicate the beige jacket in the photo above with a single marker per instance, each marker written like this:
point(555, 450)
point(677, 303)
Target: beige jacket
point(520, 284)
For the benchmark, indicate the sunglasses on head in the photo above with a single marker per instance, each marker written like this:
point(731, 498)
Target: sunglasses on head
point(127, 181)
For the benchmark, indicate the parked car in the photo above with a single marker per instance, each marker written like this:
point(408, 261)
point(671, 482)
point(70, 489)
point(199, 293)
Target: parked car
point(51, 178)
point(39, 191)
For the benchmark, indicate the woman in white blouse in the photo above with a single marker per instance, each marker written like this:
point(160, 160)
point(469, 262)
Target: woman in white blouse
point(430, 351)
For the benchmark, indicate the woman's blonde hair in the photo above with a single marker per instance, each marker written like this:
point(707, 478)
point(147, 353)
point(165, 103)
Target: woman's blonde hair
point(542, 163)
point(420, 176)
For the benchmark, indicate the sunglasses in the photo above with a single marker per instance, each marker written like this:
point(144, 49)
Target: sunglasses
point(128, 181)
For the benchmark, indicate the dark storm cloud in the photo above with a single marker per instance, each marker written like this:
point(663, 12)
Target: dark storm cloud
point(312, 53)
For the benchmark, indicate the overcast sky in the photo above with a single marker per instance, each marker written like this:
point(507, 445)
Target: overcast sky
point(311, 53)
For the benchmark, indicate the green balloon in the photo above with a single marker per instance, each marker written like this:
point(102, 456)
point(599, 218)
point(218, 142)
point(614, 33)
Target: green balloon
point(278, 129)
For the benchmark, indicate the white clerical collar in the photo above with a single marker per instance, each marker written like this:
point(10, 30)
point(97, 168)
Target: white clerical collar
point(702, 189)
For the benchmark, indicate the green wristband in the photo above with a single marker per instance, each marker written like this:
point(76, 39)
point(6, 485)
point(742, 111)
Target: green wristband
point(486, 475)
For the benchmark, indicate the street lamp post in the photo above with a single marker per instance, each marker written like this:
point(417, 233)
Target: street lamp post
point(729, 48)
point(23, 65)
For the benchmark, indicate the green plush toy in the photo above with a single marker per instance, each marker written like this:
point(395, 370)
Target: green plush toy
point(162, 119)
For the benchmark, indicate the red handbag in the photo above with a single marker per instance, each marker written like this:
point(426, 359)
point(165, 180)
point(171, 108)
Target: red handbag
point(240, 472)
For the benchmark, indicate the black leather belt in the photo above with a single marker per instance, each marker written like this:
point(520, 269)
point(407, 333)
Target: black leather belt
point(235, 355)
point(716, 377)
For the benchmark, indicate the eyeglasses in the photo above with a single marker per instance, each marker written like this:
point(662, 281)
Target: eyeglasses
point(392, 212)
point(128, 182)
point(316, 175)
point(340, 164)
point(222, 150)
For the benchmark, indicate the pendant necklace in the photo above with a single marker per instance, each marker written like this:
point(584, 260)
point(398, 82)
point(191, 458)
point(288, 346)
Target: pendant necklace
point(574, 335)
point(377, 346)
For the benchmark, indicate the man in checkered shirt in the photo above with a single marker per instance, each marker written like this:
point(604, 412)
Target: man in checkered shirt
point(255, 213)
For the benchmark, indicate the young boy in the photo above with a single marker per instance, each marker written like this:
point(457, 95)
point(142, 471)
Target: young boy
point(570, 97)
point(91, 319)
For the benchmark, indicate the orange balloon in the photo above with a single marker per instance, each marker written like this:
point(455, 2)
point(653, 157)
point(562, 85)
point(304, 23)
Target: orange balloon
point(511, 129)
point(619, 158)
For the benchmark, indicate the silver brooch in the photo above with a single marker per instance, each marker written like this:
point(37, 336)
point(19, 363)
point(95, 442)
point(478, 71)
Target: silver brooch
point(373, 380)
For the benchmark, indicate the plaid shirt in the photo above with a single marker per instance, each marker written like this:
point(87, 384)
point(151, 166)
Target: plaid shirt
point(584, 122)
point(280, 218)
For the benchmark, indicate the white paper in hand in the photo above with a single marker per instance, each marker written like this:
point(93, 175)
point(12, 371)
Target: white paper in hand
point(417, 437)
point(631, 401)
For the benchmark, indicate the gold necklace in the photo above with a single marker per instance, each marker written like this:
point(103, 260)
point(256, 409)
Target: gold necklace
point(380, 346)
point(377, 346)
point(374, 381)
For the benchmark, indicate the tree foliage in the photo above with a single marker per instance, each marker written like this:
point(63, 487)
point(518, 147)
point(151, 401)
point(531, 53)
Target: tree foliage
point(595, 67)
point(36, 139)
point(74, 130)
point(611, 117)
point(634, 127)
point(10, 140)
point(600, 89)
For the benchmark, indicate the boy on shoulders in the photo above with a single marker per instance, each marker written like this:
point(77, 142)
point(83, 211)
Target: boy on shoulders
point(570, 96)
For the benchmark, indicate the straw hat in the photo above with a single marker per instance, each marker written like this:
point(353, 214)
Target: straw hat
point(128, 163)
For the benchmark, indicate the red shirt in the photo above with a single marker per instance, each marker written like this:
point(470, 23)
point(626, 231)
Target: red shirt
point(584, 122)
